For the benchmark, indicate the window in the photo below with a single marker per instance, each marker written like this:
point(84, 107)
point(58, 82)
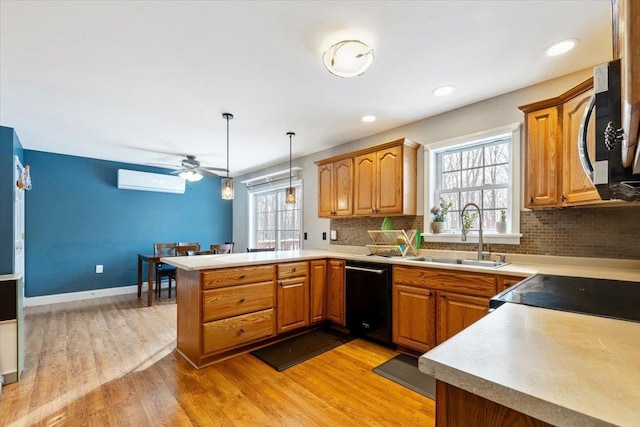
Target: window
point(478, 174)
point(275, 224)
point(484, 169)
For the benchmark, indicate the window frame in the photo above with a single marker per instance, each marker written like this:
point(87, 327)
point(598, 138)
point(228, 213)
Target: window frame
point(515, 188)
point(253, 192)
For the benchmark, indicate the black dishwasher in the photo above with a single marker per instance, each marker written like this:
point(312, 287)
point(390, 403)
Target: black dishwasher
point(368, 301)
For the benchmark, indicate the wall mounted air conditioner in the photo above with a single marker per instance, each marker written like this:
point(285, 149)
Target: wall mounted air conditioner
point(145, 181)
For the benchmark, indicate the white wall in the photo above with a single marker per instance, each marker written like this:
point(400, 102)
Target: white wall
point(489, 114)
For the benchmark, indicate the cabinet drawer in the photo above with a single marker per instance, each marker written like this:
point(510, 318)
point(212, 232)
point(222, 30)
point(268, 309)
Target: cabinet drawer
point(237, 276)
point(293, 269)
point(235, 300)
point(446, 280)
point(235, 331)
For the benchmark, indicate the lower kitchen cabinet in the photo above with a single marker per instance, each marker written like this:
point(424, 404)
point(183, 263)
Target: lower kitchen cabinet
point(414, 315)
point(317, 291)
point(293, 296)
point(336, 292)
point(505, 282)
point(431, 305)
point(456, 312)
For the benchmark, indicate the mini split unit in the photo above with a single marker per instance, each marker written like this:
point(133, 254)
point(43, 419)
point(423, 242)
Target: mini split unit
point(145, 181)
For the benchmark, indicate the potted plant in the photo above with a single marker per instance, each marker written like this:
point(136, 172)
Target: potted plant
point(439, 215)
point(501, 224)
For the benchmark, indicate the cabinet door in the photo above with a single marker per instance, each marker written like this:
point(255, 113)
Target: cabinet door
point(455, 312)
point(335, 292)
point(325, 190)
point(414, 320)
point(542, 156)
point(389, 196)
point(576, 187)
point(365, 184)
point(318, 291)
point(343, 187)
point(293, 303)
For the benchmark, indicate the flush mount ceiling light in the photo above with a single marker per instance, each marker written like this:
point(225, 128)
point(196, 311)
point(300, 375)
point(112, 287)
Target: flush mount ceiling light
point(561, 47)
point(191, 176)
point(348, 58)
point(227, 183)
point(368, 119)
point(444, 90)
point(291, 192)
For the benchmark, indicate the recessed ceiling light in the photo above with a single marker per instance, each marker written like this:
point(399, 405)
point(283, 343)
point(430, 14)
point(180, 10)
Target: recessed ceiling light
point(369, 119)
point(561, 47)
point(444, 90)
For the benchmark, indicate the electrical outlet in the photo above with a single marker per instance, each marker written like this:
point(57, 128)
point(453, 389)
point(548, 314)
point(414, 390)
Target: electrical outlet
point(99, 269)
point(305, 235)
point(324, 235)
point(333, 235)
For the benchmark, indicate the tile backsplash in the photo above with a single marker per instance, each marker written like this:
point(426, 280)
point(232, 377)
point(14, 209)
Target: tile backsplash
point(612, 232)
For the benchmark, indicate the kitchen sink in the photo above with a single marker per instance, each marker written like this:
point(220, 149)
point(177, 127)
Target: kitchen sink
point(472, 262)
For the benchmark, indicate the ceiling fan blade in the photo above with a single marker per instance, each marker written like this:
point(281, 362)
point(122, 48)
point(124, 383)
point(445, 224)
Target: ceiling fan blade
point(206, 172)
point(213, 169)
point(165, 165)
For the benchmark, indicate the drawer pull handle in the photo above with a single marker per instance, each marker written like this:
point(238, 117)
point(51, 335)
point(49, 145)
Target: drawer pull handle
point(242, 300)
point(242, 277)
point(293, 270)
point(241, 331)
point(443, 296)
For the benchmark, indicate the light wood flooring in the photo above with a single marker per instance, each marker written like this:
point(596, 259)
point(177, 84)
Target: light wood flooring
point(112, 362)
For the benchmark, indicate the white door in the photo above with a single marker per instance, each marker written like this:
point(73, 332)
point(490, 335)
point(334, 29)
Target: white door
point(18, 219)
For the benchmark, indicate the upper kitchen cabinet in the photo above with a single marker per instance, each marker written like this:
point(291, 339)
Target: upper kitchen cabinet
point(376, 181)
point(335, 188)
point(553, 173)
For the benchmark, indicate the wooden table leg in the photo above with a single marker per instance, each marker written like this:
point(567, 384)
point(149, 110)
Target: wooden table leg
point(139, 277)
point(150, 281)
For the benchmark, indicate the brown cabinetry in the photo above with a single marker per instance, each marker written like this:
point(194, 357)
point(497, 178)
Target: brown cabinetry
point(335, 189)
point(431, 305)
point(505, 282)
point(379, 180)
point(336, 292)
point(553, 172)
point(293, 296)
point(224, 309)
point(317, 291)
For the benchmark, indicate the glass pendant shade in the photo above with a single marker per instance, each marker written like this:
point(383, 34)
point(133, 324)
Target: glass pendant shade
point(227, 188)
point(291, 195)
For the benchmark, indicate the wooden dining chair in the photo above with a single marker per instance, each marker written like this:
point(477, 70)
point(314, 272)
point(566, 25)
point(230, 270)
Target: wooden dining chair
point(261, 249)
point(164, 270)
point(187, 249)
point(225, 248)
point(196, 244)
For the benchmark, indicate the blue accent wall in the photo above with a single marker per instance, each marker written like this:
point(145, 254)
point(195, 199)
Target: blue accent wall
point(76, 217)
point(9, 146)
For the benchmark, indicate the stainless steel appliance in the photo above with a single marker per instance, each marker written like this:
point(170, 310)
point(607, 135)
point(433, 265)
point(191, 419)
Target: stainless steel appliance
point(368, 301)
point(615, 171)
point(599, 297)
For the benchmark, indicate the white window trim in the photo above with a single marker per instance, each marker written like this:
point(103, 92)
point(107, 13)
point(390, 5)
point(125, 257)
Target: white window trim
point(264, 188)
point(430, 151)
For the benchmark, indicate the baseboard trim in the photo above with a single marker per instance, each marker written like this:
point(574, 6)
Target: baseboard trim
point(82, 295)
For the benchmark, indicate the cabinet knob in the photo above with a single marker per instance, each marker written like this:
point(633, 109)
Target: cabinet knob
point(242, 277)
point(530, 199)
point(443, 296)
point(242, 300)
point(563, 198)
point(293, 270)
point(241, 331)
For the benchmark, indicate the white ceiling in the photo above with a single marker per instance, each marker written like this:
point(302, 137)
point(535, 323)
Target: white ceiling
point(136, 81)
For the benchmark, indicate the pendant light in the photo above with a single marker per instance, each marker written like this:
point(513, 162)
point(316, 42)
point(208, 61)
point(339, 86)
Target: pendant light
point(291, 192)
point(227, 183)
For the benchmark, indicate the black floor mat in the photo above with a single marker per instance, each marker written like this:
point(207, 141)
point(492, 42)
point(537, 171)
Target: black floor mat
point(403, 369)
point(290, 352)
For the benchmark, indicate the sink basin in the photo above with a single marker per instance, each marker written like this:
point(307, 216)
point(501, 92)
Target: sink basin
point(472, 262)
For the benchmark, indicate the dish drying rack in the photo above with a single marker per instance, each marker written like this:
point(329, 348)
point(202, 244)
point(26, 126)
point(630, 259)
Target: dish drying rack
point(393, 242)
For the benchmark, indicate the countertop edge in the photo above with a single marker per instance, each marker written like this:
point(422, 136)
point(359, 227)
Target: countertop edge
point(514, 399)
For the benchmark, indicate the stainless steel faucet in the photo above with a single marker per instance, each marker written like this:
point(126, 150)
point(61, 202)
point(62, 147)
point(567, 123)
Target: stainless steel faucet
point(464, 230)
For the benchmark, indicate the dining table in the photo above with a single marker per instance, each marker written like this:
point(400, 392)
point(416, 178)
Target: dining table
point(151, 261)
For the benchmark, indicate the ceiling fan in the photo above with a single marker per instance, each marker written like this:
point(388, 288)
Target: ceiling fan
point(191, 169)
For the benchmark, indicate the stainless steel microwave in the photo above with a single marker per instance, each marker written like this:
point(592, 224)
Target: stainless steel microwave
point(615, 171)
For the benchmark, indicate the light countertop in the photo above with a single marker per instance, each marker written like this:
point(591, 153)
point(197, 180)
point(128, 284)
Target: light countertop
point(563, 368)
point(520, 265)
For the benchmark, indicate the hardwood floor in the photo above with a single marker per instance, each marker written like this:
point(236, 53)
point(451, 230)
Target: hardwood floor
point(112, 362)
